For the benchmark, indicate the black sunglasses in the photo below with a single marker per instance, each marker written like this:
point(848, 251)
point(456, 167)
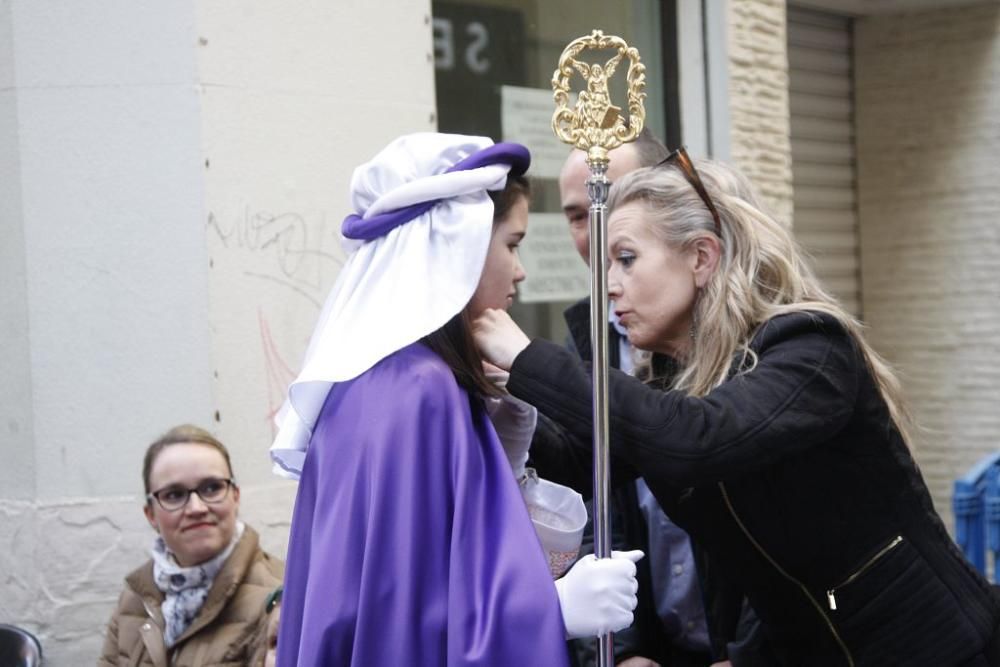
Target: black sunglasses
point(682, 161)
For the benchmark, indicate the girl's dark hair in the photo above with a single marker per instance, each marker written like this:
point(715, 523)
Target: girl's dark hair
point(183, 434)
point(453, 342)
point(504, 200)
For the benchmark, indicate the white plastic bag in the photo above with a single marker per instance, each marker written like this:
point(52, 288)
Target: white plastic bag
point(559, 516)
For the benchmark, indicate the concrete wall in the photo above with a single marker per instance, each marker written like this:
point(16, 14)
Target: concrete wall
point(17, 474)
point(284, 126)
point(928, 136)
point(110, 342)
point(172, 176)
point(758, 99)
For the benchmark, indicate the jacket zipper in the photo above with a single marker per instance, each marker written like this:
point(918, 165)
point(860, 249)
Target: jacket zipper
point(816, 605)
point(830, 594)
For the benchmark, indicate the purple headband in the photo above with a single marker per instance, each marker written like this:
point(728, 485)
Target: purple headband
point(505, 152)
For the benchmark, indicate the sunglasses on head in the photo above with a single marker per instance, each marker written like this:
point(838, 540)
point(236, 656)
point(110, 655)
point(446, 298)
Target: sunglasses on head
point(680, 159)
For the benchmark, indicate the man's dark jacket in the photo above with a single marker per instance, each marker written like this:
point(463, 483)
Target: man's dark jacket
point(794, 479)
point(646, 636)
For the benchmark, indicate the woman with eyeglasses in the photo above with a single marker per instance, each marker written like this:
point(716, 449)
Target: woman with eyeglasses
point(199, 599)
point(765, 425)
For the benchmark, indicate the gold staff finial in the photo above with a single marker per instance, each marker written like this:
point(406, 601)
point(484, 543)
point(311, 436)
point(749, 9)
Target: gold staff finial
point(594, 124)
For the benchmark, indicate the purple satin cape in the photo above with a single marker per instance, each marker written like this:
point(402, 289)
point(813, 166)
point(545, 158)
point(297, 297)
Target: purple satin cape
point(410, 543)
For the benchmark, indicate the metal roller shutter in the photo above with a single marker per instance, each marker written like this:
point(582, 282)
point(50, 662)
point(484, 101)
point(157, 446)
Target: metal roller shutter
point(822, 138)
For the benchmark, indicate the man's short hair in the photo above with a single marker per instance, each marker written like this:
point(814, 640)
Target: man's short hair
point(649, 149)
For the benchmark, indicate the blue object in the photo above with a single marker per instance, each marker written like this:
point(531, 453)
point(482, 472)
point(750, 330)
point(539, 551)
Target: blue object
point(976, 503)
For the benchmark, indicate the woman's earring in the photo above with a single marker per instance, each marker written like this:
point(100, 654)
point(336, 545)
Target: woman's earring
point(694, 313)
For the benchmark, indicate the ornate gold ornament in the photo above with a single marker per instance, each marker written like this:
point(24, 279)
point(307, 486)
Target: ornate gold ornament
point(595, 124)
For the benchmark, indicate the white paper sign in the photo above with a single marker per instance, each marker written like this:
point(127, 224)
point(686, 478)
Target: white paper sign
point(526, 117)
point(555, 270)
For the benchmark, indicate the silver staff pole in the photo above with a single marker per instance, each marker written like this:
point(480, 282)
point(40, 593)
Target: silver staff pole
point(596, 126)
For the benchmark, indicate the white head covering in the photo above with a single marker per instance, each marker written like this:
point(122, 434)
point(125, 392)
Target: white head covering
point(396, 288)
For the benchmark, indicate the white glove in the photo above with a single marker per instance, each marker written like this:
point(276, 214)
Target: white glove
point(598, 595)
point(514, 421)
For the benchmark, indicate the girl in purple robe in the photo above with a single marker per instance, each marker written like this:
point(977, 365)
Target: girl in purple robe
point(410, 542)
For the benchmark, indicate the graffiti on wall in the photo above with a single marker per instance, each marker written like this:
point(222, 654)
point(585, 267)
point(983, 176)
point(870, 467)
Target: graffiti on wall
point(276, 268)
point(296, 253)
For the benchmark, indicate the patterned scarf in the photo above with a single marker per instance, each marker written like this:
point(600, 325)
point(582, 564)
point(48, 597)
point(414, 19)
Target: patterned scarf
point(185, 588)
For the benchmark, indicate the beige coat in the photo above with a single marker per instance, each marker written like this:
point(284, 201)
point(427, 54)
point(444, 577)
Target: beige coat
point(223, 633)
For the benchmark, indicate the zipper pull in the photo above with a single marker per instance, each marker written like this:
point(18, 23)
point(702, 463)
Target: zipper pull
point(832, 600)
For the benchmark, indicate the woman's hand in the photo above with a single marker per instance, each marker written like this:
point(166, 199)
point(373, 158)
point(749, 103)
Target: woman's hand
point(499, 340)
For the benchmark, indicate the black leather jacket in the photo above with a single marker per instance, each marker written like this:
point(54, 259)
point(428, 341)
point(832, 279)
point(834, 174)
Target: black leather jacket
point(799, 487)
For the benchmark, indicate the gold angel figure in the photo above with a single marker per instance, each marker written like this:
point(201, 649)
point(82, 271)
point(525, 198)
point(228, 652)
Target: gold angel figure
point(594, 123)
point(594, 103)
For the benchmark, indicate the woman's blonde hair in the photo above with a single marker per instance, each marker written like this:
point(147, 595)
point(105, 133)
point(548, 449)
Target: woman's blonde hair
point(762, 273)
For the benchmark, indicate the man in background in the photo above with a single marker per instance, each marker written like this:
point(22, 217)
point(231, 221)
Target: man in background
point(670, 626)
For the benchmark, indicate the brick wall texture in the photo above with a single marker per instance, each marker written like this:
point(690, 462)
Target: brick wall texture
point(928, 136)
point(758, 99)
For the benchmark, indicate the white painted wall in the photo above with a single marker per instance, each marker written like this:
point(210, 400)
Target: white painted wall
point(284, 128)
point(17, 474)
point(109, 132)
point(172, 177)
point(110, 341)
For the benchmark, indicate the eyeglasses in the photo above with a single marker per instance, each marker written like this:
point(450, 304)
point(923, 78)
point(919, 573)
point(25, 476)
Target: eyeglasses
point(682, 161)
point(174, 497)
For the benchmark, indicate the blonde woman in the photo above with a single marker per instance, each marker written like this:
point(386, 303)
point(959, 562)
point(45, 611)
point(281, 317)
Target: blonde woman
point(766, 427)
